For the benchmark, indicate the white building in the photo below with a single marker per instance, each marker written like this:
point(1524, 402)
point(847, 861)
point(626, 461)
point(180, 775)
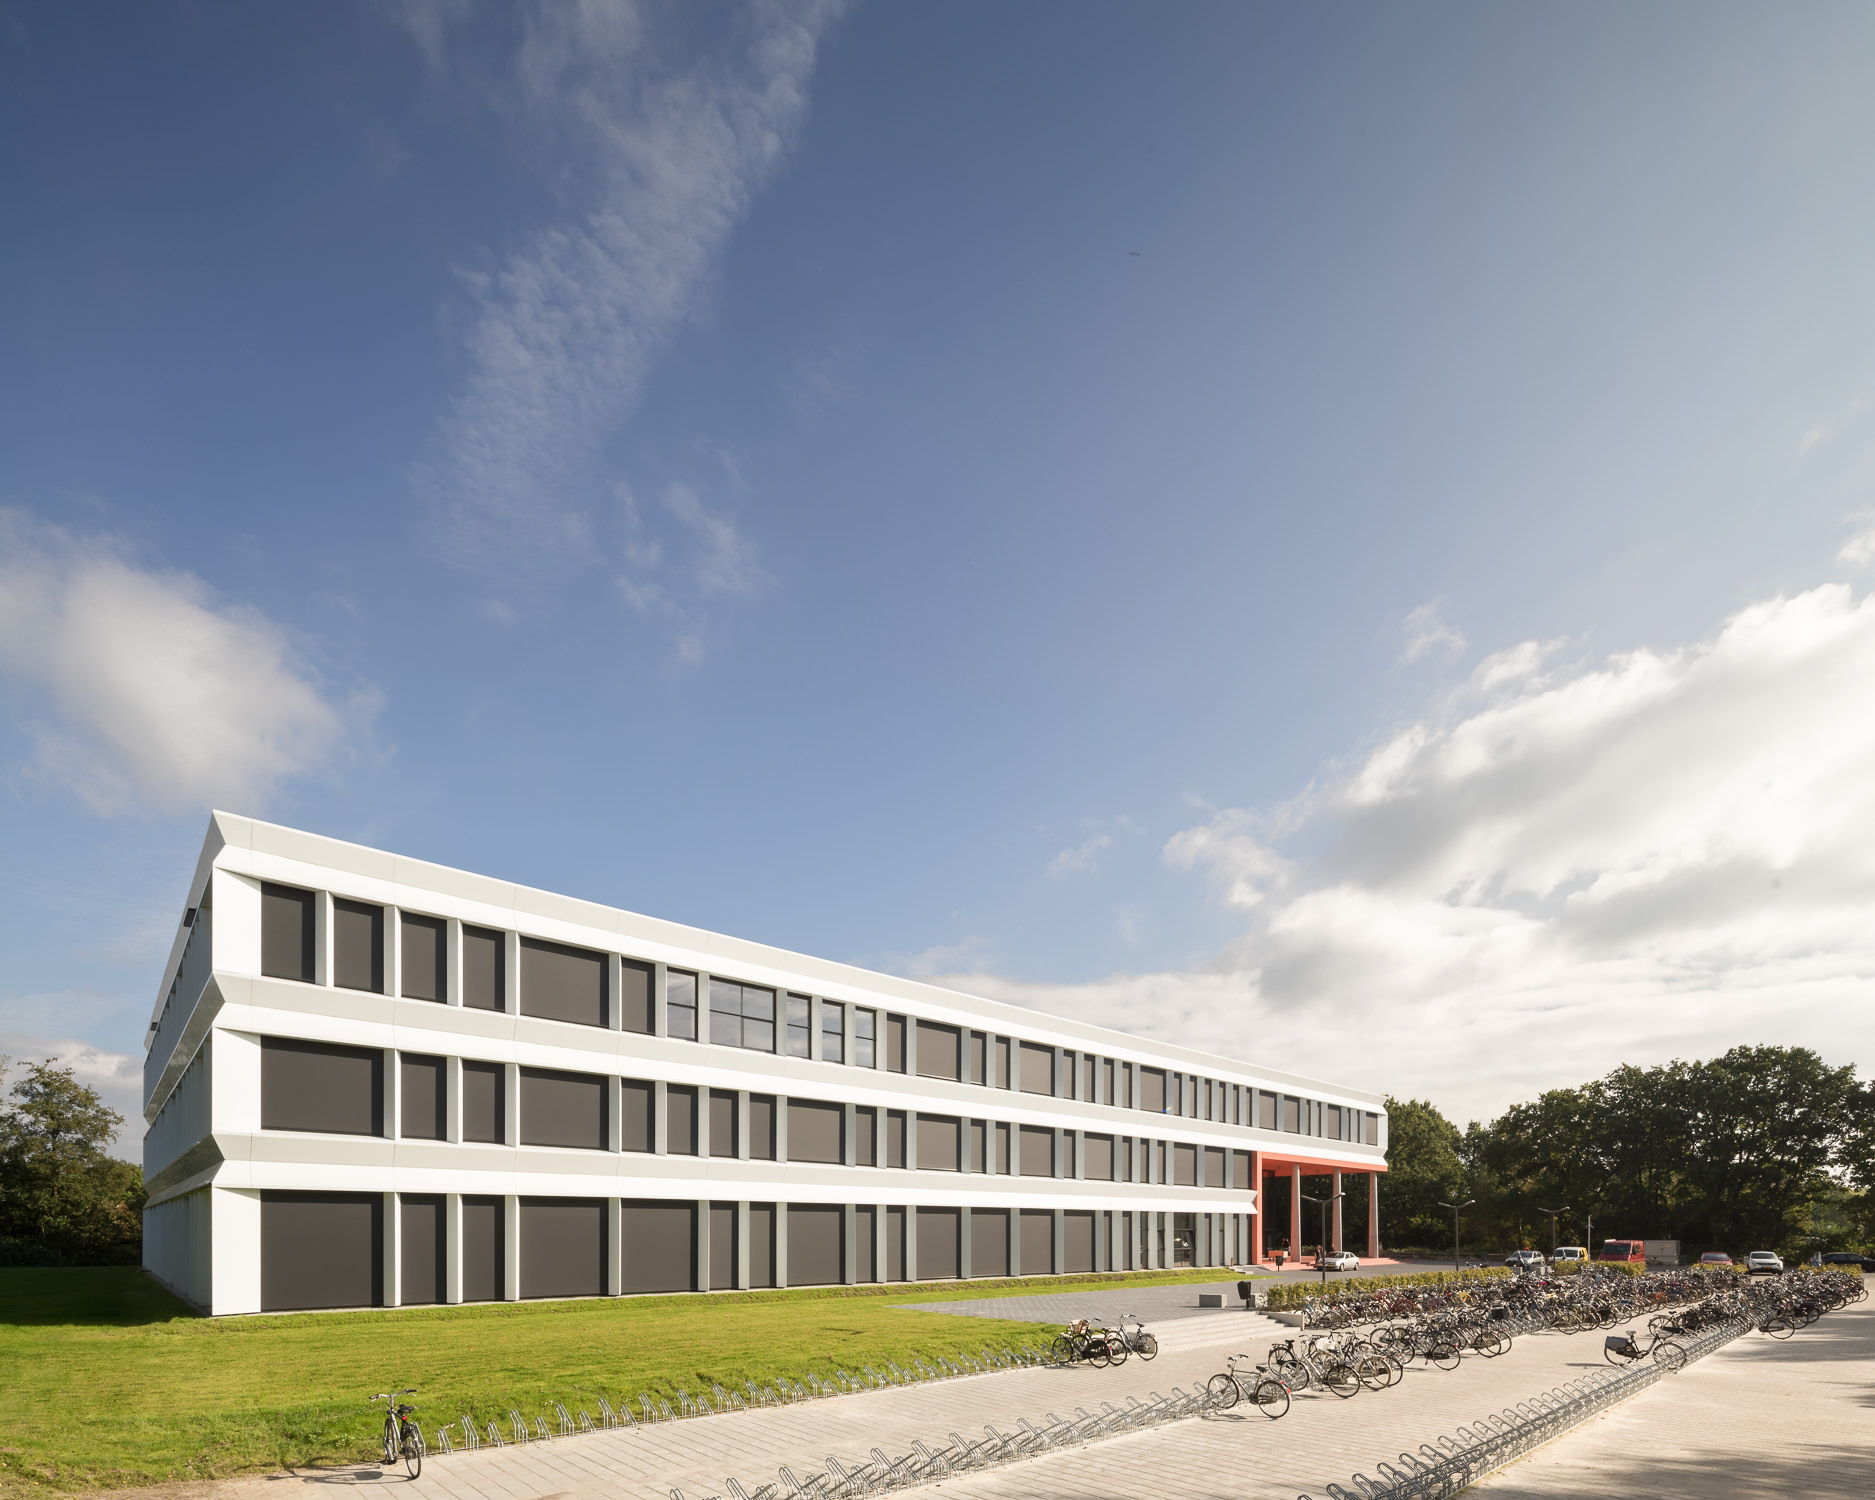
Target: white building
point(374, 1081)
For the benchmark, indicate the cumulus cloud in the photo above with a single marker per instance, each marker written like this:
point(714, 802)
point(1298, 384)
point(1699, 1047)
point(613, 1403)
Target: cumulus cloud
point(140, 689)
point(1859, 550)
point(1660, 853)
point(659, 153)
point(1425, 633)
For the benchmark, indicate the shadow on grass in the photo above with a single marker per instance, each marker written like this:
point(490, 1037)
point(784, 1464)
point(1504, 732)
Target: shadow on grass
point(108, 1296)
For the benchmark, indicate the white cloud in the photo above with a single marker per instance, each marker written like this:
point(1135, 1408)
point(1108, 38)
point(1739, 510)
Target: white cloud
point(1859, 550)
point(1082, 856)
point(1663, 853)
point(117, 1076)
point(659, 157)
point(1426, 632)
point(140, 688)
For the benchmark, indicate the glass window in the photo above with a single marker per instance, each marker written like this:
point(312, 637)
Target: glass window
point(863, 1022)
point(798, 1010)
point(742, 1015)
point(680, 1005)
point(832, 1031)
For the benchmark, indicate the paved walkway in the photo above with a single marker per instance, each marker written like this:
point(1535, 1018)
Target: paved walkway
point(1760, 1418)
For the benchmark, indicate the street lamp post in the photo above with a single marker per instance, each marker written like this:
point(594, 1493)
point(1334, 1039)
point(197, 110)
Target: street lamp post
point(1553, 1212)
point(1455, 1207)
point(1322, 1244)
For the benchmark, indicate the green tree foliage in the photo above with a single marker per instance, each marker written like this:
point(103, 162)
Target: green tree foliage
point(63, 1197)
point(1424, 1166)
point(1765, 1147)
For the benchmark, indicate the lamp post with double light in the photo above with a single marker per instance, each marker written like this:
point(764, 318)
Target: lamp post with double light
point(1455, 1207)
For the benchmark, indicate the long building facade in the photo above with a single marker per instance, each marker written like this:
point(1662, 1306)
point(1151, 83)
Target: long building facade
point(372, 1081)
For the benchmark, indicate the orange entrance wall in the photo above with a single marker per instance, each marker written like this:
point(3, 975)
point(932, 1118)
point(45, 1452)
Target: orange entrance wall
point(1267, 1164)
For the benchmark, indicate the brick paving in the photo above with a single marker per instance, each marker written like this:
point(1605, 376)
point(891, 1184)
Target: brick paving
point(1243, 1457)
point(1760, 1418)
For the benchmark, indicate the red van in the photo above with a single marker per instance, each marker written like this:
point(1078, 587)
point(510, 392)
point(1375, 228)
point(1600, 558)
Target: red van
point(1629, 1250)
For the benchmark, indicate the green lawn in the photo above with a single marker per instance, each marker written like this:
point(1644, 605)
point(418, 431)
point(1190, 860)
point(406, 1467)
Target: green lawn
point(110, 1382)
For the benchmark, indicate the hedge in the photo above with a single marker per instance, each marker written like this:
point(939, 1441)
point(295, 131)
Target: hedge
point(1289, 1296)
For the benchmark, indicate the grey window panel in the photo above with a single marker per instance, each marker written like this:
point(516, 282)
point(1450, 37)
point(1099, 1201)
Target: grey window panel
point(1126, 1085)
point(286, 932)
point(659, 1248)
point(563, 1246)
point(680, 1005)
point(762, 1127)
point(939, 1138)
point(423, 1090)
point(895, 1044)
point(1038, 1069)
point(559, 983)
point(317, 1086)
point(979, 1057)
point(722, 1246)
point(484, 1273)
point(1002, 1147)
point(423, 971)
point(680, 1120)
point(1002, 1062)
point(1111, 1093)
point(1067, 1154)
point(1099, 1158)
point(937, 1243)
point(1266, 1111)
point(1078, 1243)
point(358, 946)
point(895, 1244)
point(800, 1014)
point(1184, 1164)
point(742, 1015)
point(1332, 1115)
point(761, 1244)
point(1088, 1066)
point(813, 1135)
point(1213, 1167)
point(1152, 1091)
point(722, 1131)
point(832, 1031)
point(864, 1022)
point(979, 1146)
point(1038, 1242)
point(420, 1221)
point(1373, 1130)
point(321, 1250)
point(484, 968)
point(637, 1099)
point(634, 1001)
point(1038, 1151)
point(484, 1102)
point(989, 1242)
point(865, 1136)
point(1240, 1170)
point(814, 1236)
point(562, 1109)
point(864, 1228)
point(895, 1137)
point(937, 1050)
point(1292, 1115)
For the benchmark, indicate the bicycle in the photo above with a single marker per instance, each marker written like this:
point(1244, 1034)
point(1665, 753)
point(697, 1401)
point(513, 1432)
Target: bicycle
point(402, 1437)
point(1263, 1390)
point(1079, 1342)
point(1623, 1349)
point(1136, 1339)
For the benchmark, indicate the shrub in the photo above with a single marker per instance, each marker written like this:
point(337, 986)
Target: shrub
point(1291, 1295)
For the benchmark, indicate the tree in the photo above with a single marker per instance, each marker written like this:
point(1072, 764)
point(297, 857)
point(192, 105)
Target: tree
point(1423, 1167)
point(60, 1189)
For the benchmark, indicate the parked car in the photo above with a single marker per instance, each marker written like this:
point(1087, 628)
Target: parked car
point(1628, 1250)
point(1715, 1258)
point(1562, 1253)
point(1849, 1258)
point(1765, 1261)
point(1524, 1260)
point(1338, 1260)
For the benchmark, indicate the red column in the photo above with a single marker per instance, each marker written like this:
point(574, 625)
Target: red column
point(1335, 1221)
point(1295, 1213)
point(1373, 1216)
point(1253, 1252)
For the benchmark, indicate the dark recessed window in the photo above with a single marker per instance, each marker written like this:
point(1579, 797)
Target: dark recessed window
point(484, 968)
point(286, 933)
point(741, 1015)
point(424, 968)
point(358, 946)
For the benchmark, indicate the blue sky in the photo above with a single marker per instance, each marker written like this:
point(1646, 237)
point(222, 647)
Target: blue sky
point(1293, 528)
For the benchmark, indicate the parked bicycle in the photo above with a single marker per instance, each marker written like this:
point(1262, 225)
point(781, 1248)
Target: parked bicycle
point(1136, 1339)
point(402, 1437)
point(1081, 1341)
point(1625, 1349)
point(1256, 1385)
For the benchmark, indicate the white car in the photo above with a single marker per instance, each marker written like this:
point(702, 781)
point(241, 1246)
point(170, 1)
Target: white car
point(1338, 1260)
point(1568, 1252)
point(1764, 1260)
point(1524, 1260)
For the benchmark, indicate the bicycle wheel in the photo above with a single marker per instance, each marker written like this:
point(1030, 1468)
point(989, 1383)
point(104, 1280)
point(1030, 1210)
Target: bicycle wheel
point(1443, 1355)
point(1669, 1355)
point(392, 1441)
point(1096, 1353)
point(1292, 1373)
point(1116, 1349)
point(1340, 1378)
point(1222, 1389)
point(413, 1450)
point(1492, 1343)
point(1371, 1370)
point(1779, 1328)
point(1271, 1397)
point(1061, 1351)
point(1148, 1346)
point(1619, 1358)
